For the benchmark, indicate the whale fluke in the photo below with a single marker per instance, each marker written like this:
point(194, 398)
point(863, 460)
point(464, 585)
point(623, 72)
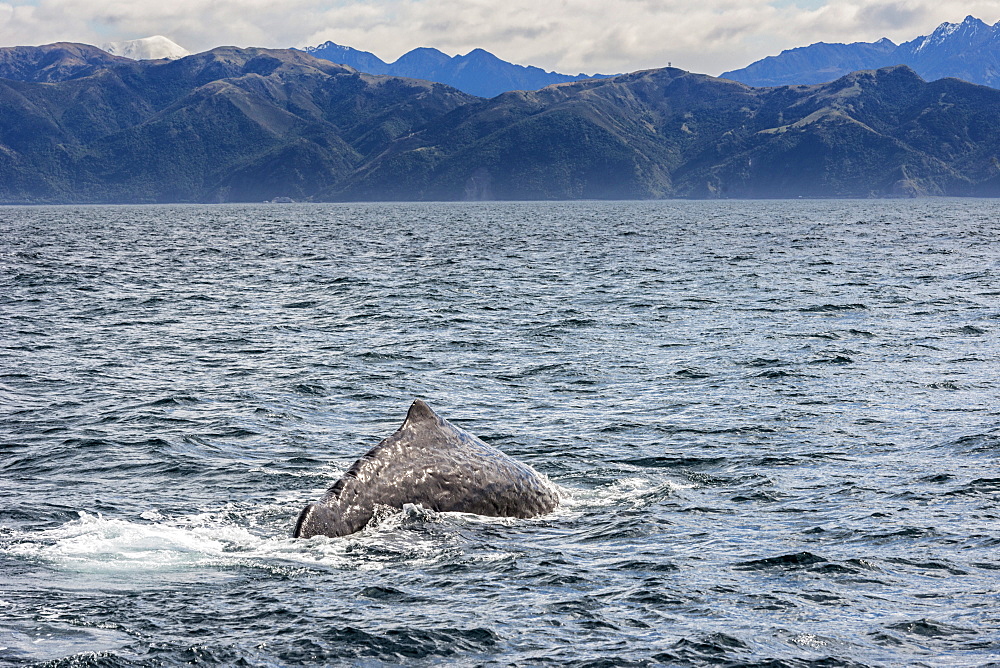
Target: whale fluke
point(431, 462)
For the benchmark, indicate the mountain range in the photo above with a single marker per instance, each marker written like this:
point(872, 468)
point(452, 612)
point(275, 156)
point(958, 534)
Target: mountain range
point(478, 72)
point(81, 125)
point(969, 50)
point(230, 124)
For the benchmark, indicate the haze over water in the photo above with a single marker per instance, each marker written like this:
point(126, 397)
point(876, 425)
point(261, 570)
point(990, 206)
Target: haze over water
point(776, 425)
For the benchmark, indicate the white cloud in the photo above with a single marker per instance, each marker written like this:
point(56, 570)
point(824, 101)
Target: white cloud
point(565, 35)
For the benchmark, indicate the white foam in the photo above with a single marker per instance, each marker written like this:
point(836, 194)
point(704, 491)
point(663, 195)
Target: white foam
point(637, 492)
point(125, 552)
point(94, 544)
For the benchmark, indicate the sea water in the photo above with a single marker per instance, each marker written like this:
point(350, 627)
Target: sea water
point(776, 426)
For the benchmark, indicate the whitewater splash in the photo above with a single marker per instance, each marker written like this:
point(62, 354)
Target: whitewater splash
point(218, 541)
point(127, 550)
point(94, 543)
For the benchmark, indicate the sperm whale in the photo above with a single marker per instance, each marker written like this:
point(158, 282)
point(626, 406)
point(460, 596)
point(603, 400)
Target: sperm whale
point(431, 462)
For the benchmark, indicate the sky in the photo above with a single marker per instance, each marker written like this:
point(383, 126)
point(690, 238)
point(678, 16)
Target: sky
point(570, 36)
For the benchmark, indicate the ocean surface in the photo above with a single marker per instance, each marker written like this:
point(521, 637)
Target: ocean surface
point(776, 426)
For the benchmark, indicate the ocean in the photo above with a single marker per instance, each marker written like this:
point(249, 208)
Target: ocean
point(775, 425)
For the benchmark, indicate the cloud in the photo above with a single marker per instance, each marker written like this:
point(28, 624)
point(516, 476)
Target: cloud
point(891, 14)
point(565, 35)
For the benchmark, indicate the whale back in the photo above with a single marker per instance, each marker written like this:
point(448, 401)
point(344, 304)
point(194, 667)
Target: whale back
point(431, 462)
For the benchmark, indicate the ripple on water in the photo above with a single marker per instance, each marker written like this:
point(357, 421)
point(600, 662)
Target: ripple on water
point(774, 424)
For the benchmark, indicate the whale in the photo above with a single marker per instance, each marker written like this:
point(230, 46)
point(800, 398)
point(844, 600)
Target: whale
point(432, 463)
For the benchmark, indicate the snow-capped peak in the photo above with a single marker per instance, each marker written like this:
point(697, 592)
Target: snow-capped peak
point(147, 48)
point(322, 47)
point(969, 26)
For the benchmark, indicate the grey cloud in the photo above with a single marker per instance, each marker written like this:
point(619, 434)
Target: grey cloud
point(892, 15)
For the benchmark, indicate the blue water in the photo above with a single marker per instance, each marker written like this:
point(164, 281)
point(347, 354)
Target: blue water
point(776, 425)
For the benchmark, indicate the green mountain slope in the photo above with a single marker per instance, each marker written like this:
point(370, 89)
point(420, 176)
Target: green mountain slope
point(253, 124)
point(669, 133)
point(226, 125)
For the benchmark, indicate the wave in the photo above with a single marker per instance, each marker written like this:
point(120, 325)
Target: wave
point(94, 544)
point(632, 492)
